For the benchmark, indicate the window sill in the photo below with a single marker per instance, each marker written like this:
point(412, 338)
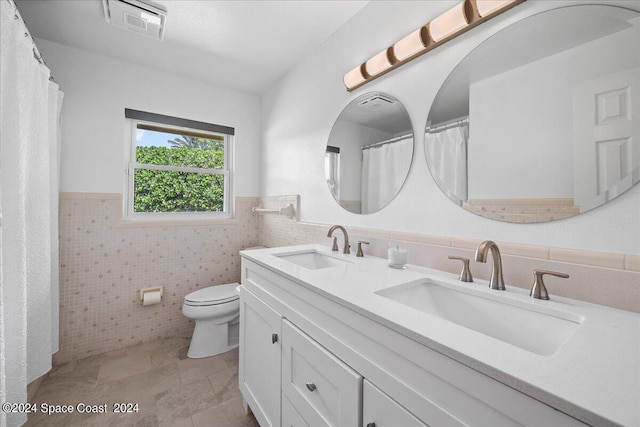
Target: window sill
point(179, 221)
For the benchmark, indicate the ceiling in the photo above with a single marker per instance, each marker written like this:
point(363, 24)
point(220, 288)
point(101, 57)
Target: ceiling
point(246, 45)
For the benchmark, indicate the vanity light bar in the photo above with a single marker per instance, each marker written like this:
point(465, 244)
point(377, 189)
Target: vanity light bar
point(356, 77)
point(412, 45)
point(380, 63)
point(487, 7)
point(449, 23)
point(452, 23)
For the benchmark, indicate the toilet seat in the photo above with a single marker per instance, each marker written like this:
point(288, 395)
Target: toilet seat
point(212, 295)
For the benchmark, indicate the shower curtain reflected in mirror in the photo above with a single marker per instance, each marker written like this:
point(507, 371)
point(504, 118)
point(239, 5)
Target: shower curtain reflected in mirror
point(332, 170)
point(446, 151)
point(384, 168)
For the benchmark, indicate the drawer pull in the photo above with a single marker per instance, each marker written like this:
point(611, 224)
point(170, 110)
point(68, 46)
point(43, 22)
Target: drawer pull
point(311, 386)
point(371, 425)
point(274, 338)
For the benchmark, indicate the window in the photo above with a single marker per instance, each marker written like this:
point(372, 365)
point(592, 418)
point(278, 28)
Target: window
point(178, 168)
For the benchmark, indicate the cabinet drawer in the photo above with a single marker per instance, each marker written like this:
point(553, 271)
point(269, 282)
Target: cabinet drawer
point(323, 390)
point(380, 410)
point(291, 417)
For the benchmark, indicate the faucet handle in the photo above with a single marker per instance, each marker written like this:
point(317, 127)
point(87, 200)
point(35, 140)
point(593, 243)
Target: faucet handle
point(538, 290)
point(334, 247)
point(359, 253)
point(465, 274)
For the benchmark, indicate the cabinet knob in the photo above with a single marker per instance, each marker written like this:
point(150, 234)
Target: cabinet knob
point(311, 386)
point(371, 425)
point(274, 338)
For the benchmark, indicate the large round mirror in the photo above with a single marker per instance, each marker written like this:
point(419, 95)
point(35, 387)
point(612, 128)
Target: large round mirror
point(369, 153)
point(541, 121)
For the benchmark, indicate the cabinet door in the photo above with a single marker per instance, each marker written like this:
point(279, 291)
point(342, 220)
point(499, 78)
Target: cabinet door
point(379, 410)
point(260, 356)
point(323, 389)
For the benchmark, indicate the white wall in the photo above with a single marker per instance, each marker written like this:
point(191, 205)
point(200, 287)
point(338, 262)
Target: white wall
point(298, 113)
point(98, 89)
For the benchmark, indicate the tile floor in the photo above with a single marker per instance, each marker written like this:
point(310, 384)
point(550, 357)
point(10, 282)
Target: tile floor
point(170, 389)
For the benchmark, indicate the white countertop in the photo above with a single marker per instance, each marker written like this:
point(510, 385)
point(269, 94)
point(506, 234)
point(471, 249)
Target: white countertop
point(594, 376)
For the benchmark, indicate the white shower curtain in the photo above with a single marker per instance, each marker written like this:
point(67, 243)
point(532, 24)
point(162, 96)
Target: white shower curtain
point(384, 169)
point(29, 116)
point(447, 158)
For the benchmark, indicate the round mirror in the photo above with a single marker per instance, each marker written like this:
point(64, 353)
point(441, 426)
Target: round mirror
point(369, 153)
point(541, 121)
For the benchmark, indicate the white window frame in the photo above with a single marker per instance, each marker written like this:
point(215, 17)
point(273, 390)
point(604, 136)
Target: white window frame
point(132, 165)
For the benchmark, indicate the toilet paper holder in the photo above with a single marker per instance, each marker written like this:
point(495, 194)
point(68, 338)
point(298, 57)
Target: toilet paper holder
point(150, 290)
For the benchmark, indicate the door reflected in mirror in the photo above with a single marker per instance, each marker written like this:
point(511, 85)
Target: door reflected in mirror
point(369, 153)
point(541, 121)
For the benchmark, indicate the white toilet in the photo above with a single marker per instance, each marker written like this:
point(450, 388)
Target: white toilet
point(216, 311)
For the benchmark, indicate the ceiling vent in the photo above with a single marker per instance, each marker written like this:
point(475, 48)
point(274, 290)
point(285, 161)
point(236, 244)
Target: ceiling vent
point(142, 17)
point(376, 102)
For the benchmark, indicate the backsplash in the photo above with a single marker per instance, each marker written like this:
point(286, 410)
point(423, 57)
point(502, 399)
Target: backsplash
point(104, 263)
point(602, 278)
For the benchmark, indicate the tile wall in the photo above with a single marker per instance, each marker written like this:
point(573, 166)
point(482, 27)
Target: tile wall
point(104, 263)
point(523, 210)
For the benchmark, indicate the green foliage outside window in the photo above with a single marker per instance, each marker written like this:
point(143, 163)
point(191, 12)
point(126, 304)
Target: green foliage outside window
point(170, 191)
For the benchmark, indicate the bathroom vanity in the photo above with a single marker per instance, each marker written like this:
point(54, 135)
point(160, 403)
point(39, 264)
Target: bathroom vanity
point(331, 339)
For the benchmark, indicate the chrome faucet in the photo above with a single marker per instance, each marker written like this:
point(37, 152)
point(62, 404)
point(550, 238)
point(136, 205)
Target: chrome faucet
point(346, 250)
point(496, 281)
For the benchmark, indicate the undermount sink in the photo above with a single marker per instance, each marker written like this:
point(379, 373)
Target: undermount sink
point(541, 330)
point(313, 260)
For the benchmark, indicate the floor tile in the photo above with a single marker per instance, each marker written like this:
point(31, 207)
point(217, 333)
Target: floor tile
point(181, 402)
point(63, 369)
point(185, 422)
point(224, 384)
point(99, 359)
point(150, 383)
point(170, 351)
point(196, 369)
point(170, 389)
point(226, 414)
point(130, 364)
point(145, 416)
point(61, 390)
point(231, 358)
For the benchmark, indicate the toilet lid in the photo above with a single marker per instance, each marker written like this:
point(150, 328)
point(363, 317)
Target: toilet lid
point(218, 294)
